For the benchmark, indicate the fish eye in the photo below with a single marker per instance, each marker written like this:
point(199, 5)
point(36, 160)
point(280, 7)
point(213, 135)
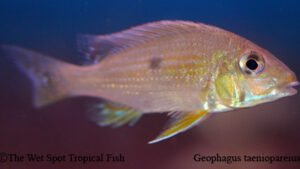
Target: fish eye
point(252, 63)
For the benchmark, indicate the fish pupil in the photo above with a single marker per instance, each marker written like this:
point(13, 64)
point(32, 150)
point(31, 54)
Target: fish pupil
point(251, 64)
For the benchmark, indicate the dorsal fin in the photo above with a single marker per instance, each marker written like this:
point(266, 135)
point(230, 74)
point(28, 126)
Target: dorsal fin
point(96, 47)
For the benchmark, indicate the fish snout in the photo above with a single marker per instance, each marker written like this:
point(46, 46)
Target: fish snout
point(290, 90)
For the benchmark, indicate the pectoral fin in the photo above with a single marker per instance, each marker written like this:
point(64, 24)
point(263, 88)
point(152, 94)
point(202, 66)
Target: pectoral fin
point(181, 123)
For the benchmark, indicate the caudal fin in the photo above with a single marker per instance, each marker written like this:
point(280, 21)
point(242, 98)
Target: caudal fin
point(49, 76)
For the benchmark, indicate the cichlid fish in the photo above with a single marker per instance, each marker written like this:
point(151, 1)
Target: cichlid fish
point(187, 69)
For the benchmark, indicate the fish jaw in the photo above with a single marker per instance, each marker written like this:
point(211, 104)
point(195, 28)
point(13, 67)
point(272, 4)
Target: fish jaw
point(275, 94)
point(289, 89)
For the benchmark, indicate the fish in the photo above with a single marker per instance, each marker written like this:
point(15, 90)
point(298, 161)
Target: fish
point(185, 69)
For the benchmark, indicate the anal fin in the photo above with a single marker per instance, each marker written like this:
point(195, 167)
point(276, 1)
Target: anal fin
point(115, 115)
point(181, 123)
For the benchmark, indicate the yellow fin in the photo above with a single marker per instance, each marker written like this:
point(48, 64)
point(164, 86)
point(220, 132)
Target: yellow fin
point(181, 123)
point(115, 115)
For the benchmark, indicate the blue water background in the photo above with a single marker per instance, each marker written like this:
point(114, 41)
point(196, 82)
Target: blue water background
point(51, 27)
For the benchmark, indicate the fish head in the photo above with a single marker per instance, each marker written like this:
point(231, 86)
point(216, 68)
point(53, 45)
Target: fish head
point(256, 77)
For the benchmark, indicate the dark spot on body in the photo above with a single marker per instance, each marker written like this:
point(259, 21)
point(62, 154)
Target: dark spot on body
point(155, 63)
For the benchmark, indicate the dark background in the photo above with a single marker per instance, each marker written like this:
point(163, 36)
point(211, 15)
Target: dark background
point(50, 27)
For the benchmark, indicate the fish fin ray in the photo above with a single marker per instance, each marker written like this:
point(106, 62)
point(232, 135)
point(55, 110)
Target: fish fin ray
point(95, 47)
point(45, 73)
point(114, 115)
point(180, 123)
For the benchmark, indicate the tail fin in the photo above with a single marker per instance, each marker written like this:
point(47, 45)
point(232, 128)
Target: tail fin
point(49, 76)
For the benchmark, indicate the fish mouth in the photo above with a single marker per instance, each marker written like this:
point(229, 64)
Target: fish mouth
point(289, 89)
